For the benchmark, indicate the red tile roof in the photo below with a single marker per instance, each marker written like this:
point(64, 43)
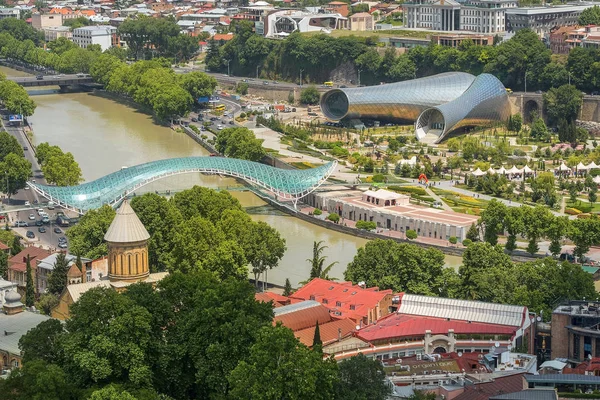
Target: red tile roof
point(483, 391)
point(330, 332)
point(3, 247)
point(354, 301)
point(222, 36)
point(304, 317)
point(403, 325)
point(277, 299)
point(18, 262)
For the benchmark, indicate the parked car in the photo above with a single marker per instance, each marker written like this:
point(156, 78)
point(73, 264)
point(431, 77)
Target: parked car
point(41, 229)
point(194, 119)
point(39, 222)
point(40, 211)
point(57, 230)
point(39, 77)
point(32, 216)
point(25, 148)
point(63, 245)
point(27, 202)
point(231, 122)
point(21, 224)
point(30, 235)
point(265, 83)
point(45, 219)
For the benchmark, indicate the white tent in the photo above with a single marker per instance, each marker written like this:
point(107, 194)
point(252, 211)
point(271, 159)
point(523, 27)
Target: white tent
point(502, 170)
point(581, 167)
point(597, 179)
point(478, 172)
point(491, 171)
point(527, 170)
point(562, 168)
point(592, 165)
point(514, 170)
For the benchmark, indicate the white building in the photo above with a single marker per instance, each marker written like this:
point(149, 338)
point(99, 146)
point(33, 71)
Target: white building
point(55, 32)
point(10, 13)
point(482, 16)
point(543, 19)
point(282, 23)
point(104, 35)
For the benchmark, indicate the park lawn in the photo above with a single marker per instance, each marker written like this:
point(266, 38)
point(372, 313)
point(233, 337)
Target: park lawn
point(584, 206)
point(303, 165)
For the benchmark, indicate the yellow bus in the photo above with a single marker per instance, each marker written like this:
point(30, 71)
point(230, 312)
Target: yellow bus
point(508, 90)
point(328, 84)
point(220, 107)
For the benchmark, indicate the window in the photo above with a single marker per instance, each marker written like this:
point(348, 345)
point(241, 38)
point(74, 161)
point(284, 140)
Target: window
point(352, 307)
point(312, 297)
point(338, 303)
point(325, 301)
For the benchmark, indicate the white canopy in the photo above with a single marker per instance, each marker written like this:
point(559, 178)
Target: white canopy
point(491, 171)
point(580, 166)
point(592, 165)
point(502, 170)
point(563, 167)
point(514, 170)
point(527, 170)
point(478, 172)
point(596, 179)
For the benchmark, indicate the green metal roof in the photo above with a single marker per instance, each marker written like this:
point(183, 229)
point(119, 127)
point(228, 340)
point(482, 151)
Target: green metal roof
point(112, 188)
point(590, 269)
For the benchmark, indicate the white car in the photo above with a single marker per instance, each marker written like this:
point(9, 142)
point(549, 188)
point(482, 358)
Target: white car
point(220, 127)
point(27, 202)
point(40, 211)
point(32, 217)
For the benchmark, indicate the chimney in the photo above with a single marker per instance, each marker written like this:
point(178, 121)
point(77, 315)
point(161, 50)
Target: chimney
point(339, 333)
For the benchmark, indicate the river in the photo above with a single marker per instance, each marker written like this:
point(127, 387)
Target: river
point(104, 136)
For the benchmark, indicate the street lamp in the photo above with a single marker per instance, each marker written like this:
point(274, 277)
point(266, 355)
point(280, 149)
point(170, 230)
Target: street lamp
point(526, 81)
point(228, 61)
point(301, 77)
point(257, 67)
point(359, 71)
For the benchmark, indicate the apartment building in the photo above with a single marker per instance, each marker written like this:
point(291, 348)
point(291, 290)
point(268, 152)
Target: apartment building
point(542, 20)
point(104, 35)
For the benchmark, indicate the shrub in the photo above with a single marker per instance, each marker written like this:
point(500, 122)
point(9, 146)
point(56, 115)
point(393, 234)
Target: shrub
point(411, 234)
point(378, 178)
point(334, 217)
point(572, 211)
point(467, 242)
point(366, 225)
point(453, 239)
point(242, 115)
point(242, 88)
point(317, 211)
point(310, 95)
point(408, 189)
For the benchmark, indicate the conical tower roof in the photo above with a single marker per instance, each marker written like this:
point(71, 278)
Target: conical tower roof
point(126, 227)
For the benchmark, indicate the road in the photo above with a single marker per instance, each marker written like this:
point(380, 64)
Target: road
point(49, 238)
point(52, 80)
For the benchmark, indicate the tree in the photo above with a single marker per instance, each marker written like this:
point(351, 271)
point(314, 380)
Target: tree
point(593, 194)
point(265, 254)
point(279, 366)
point(9, 144)
point(590, 16)
point(397, 266)
point(366, 225)
point(87, 237)
point(539, 131)
point(38, 380)
point(515, 122)
point(239, 143)
point(555, 231)
point(43, 342)
point(58, 277)
point(362, 378)
point(62, 169)
point(14, 171)
point(334, 217)
point(403, 69)
point(242, 88)
point(473, 233)
point(46, 303)
point(29, 288)
point(287, 288)
point(109, 340)
point(317, 342)
point(111, 393)
point(3, 265)
point(563, 102)
point(411, 234)
point(478, 259)
point(492, 219)
point(317, 262)
point(197, 84)
point(310, 95)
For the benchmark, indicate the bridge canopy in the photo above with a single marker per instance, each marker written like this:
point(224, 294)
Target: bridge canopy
point(112, 188)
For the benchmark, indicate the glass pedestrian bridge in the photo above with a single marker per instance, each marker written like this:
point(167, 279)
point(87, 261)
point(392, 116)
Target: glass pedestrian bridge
point(112, 188)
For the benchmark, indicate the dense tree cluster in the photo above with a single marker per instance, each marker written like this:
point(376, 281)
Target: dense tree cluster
point(487, 274)
point(193, 337)
point(153, 84)
point(319, 55)
point(59, 168)
point(197, 229)
point(15, 98)
point(149, 37)
point(15, 169)
point(590, 16)
point(239, 143)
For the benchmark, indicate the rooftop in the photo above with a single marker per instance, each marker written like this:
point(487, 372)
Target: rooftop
point(485, 390)
point(16, 325)
point(329, 332)
point(344, 299)
point(466, 310)
point(48, 262)
point(301, 315)
point(399, 325)
point(564, 379)
point(550, 9)
point(529, 394)
point(126, 227)
point(19, 261)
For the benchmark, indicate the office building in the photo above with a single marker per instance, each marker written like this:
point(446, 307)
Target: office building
point(104, 35)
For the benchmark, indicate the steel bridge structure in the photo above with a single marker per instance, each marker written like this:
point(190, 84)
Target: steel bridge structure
point(288, 185)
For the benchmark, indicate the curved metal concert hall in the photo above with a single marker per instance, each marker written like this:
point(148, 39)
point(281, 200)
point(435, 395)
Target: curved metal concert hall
point(483, 102)
point(439, 104)
point(112, 188)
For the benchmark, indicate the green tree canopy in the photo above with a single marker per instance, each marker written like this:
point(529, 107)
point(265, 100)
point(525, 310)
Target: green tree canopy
point(590, 16)
point(362, 378)
point(563, 102)
point(401, 267)
point(310, 95)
